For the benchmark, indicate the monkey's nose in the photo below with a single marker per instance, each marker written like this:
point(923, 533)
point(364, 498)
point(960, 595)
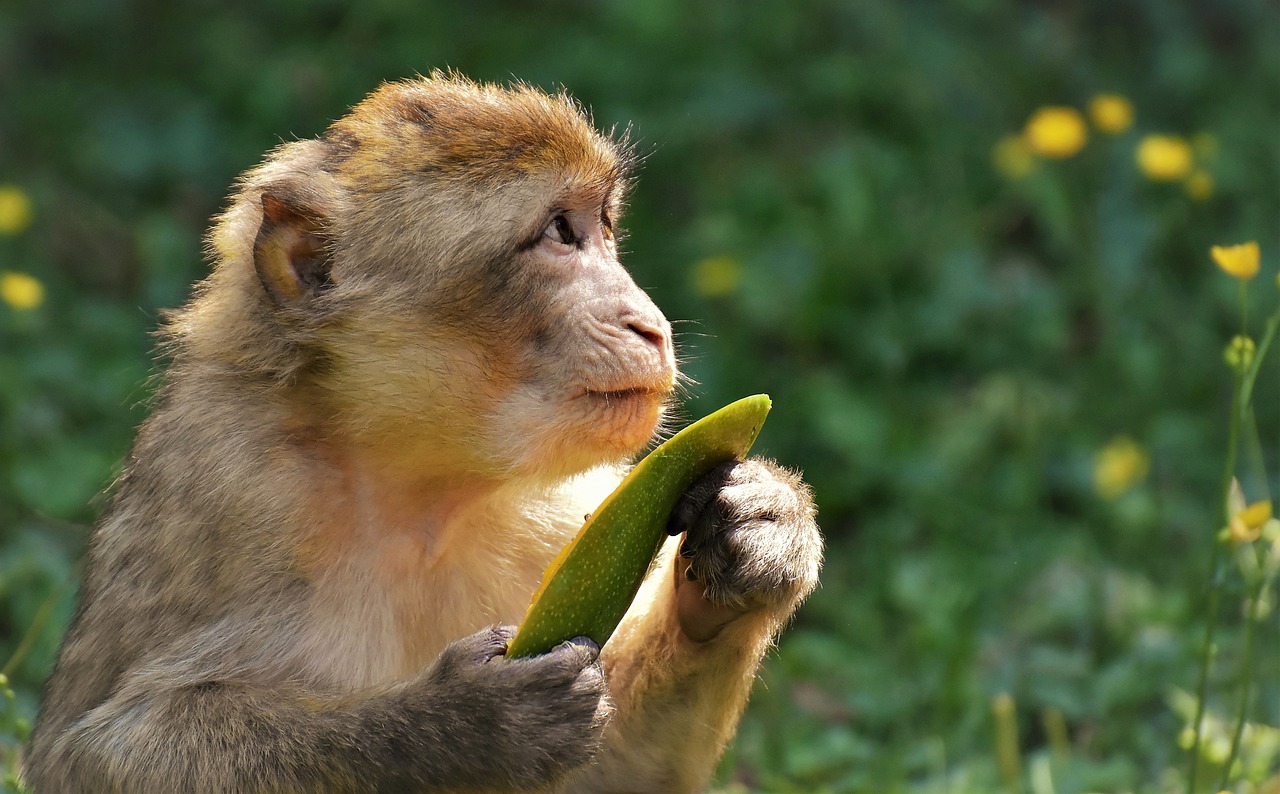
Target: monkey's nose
point(657, 334)
point(650, 327)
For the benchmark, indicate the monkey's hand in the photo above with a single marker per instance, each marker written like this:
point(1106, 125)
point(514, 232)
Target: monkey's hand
point(750, 545)
point(515, 724)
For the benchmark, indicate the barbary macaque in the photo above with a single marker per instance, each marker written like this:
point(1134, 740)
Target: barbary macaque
point(416, 365)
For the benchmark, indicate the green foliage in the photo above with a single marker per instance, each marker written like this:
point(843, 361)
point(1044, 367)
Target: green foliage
point(950, 348)
point(15, 729)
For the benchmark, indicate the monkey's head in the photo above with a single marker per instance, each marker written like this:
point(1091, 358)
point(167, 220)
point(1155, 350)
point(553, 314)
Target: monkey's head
point(437, 279)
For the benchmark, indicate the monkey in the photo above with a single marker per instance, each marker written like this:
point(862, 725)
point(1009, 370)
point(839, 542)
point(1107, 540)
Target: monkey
point(416, 362)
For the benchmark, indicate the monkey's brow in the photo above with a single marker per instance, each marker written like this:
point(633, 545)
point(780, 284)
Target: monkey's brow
point(607, 193)
point(582, 196)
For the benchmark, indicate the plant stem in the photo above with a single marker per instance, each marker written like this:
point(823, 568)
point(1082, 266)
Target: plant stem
point(1247, 675)
point(1215, 588)
point(1244, 306)
point(1251, 376)
point(37, 622)
point(1242, 393)
point(1007, 754)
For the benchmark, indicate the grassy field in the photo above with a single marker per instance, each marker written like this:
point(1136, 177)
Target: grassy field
point(966, 247)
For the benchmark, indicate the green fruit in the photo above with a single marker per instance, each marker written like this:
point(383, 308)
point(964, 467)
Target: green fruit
point(589, 586)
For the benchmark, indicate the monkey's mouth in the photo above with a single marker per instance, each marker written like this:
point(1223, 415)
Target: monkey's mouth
point(653, 387)
point(618, 395)
point(649, 394)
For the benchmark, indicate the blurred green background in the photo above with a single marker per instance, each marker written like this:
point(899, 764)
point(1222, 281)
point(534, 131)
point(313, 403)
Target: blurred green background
point(1002, 372)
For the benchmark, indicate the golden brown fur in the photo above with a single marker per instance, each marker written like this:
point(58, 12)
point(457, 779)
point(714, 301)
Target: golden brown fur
point(415, 366)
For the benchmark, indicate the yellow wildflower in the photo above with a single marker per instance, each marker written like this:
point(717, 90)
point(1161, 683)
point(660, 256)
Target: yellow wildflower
point(1119, 466)
point(1240, 260)
point(717, 276)
point(15, 210)
point(1111, 113)
point(1056, 132)
point(1246, 524)
point(1012, 157)
point(1256, 514)
point(1164, 158)
point(20, 290)
point(1199, 185)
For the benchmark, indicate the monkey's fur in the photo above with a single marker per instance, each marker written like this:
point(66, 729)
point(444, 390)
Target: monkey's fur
point(415, 366)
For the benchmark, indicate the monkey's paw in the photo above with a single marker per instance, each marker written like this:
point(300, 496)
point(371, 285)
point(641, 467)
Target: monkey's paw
point(751, 542)
point(532, 721)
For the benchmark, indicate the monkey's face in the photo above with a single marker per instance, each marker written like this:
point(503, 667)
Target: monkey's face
point(506, 340)
point(457, 244)
point(594, 353)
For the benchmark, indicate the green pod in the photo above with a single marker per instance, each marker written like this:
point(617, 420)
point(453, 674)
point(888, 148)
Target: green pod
point(589, 586)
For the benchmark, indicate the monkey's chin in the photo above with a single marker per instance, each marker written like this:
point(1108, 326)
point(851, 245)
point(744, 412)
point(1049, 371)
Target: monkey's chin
point(534, 433)
point(622, 421)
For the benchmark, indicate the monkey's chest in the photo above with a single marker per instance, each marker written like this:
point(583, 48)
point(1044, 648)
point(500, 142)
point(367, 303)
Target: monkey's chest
point(385, 618)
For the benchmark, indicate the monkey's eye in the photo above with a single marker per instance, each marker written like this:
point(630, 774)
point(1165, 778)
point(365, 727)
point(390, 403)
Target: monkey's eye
point(560, 231)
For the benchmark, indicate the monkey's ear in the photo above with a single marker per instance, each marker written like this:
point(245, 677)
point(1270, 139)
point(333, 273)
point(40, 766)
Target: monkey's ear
point(291, 252)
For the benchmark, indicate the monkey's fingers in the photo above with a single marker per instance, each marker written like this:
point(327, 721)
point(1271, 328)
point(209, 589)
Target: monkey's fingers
point(700, 497)
point(576, 653)
point(479, 648)
point(499, 637)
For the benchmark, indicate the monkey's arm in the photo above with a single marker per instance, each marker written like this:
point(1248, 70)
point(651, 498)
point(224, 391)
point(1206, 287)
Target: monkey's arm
point(473, 720)
point(677, 701)
point(681, 665)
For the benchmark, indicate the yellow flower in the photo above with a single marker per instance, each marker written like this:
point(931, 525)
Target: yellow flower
point(15, 210)
point(1056, 132)
point(717, 276)
point(20, 290)
point(1119, 466)
point(1256, 514)
point(1246, 524)
point(1240, 260)
point(1199, 185)
point(1111, 113)
point(1164, 158)
point(1012, 157)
